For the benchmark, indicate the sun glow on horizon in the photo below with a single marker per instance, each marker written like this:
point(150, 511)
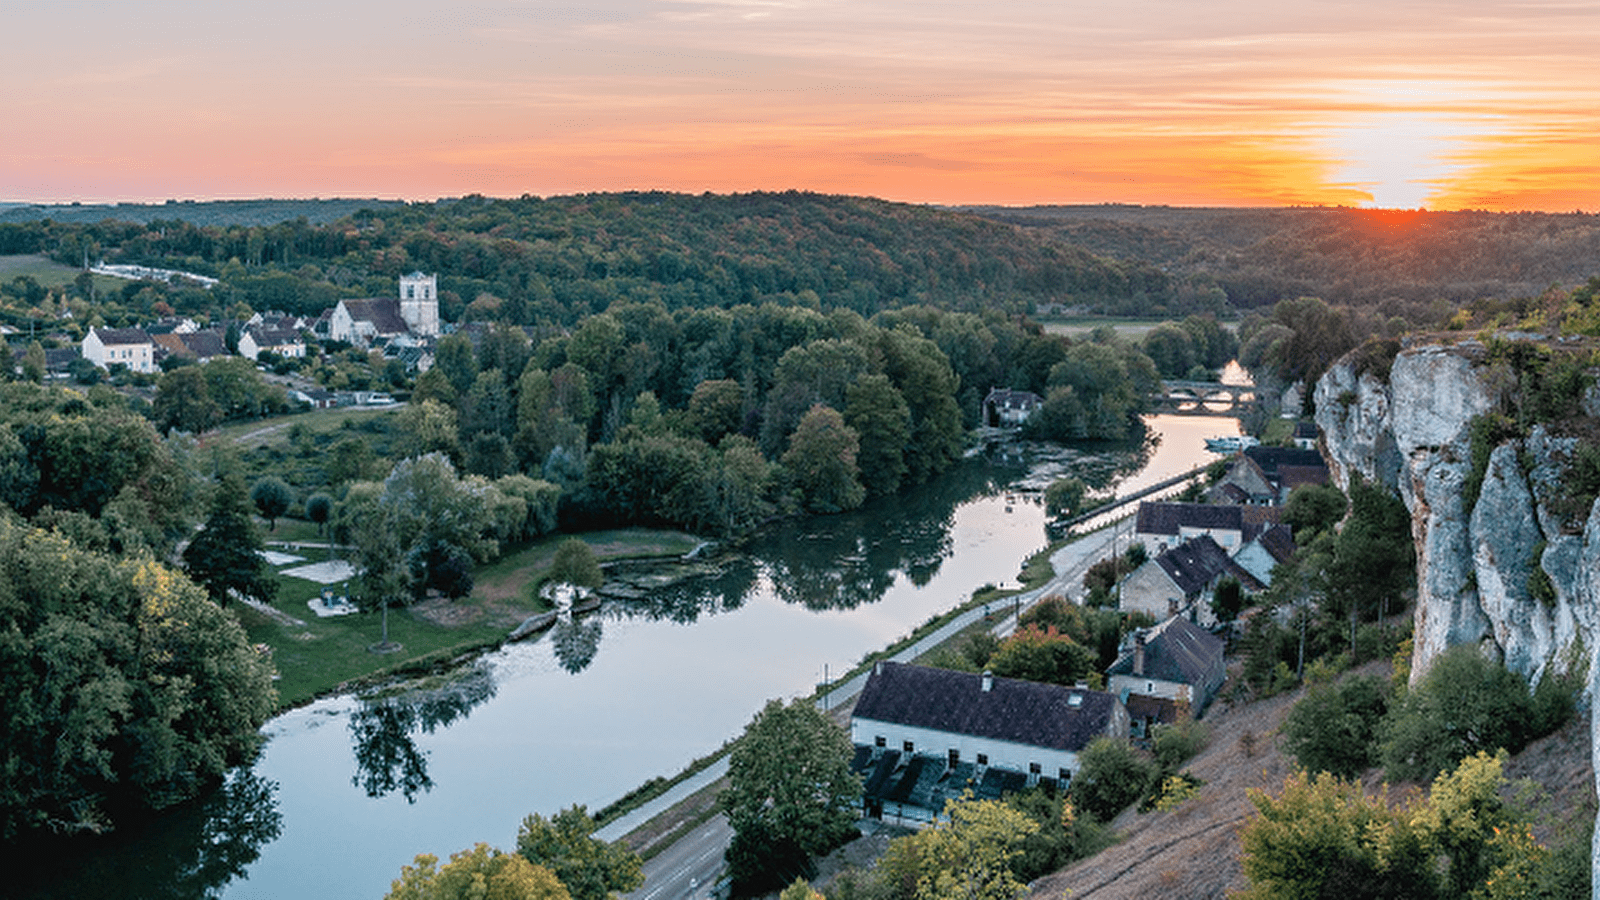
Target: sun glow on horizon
point(1403, 145)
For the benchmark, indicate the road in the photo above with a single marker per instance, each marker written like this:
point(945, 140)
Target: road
point(690, 867)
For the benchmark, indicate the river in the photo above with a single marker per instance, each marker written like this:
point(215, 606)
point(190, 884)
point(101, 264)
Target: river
point(348, 790)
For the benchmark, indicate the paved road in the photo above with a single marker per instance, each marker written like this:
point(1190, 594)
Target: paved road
point(691, 865)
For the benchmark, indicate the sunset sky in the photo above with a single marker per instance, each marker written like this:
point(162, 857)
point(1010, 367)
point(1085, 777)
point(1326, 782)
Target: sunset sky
point(1471, 104)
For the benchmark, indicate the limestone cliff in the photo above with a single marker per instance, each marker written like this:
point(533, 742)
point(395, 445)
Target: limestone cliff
point(1516, 572)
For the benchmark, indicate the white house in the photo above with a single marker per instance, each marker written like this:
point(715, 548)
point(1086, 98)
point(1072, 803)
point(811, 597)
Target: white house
point(923, 735)
point(1176, 660)
point(1162, 525)
point(129, 347)
point(259, 339)
point(1004, 406)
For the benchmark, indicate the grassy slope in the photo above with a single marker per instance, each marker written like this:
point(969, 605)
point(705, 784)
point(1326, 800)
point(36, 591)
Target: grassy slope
point(1193, 851)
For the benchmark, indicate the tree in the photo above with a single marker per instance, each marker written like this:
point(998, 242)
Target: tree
point(272, 499)
point(127, 690)
point(183, 402)
point(1334, 728)
point(1112, 774)
point(790, 794)
point(1322, 837)
point(968, 854)
point(821, 460)
point(574, 564)
point(1314, 507)
point(1043, 654)
point(33, 363)
point(319, 508)
point(882, 421)
point(1064, 496)
point(1465, 704)
point(590, 868)
point(225, 557)
point(482, 872)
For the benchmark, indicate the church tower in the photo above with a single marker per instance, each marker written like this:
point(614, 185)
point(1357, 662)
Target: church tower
point(419, 303)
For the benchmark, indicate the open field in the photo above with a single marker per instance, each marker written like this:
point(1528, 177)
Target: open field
point(260, 432)
point(50, 273)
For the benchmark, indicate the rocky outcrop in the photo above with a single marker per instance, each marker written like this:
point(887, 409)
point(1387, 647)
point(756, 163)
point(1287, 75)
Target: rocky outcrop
point(1518, 571)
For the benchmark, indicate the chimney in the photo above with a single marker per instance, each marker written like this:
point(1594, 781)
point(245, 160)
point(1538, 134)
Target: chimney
point(1138, 652)
point(988, 681)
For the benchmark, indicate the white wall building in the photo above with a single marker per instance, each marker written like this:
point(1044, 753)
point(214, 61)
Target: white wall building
point(129, 347)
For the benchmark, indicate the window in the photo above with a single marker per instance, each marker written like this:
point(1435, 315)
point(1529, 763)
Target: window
point(1034, 769)
point(955, 756)
point(908, 747)
point(1063, 775)
point(879, 741)
point(983, 759)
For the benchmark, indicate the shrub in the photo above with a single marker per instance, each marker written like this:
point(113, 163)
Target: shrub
point(1113, 775)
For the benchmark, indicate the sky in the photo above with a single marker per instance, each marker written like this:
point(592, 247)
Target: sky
point(1474, 104)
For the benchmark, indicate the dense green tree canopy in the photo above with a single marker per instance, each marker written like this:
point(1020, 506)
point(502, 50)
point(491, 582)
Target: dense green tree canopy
point(590, 868)
point(127, 688)
point(790, 793)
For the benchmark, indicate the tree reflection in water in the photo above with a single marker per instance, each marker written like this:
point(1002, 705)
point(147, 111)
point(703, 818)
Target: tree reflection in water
point(575, 642)
point(384, 729)
point(188, 854)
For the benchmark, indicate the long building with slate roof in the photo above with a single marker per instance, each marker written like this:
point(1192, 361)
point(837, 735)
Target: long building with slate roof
point(924, 735)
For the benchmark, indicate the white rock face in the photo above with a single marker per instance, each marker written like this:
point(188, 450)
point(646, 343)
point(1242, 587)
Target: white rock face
point(1476, 567)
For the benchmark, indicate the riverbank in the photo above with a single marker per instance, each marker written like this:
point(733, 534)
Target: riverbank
point(651, 820)
point(319, 656)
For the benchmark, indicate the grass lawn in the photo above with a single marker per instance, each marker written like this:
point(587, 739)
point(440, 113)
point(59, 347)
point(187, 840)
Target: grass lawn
point(260, 432)
point(319, 655)
point(51, 273)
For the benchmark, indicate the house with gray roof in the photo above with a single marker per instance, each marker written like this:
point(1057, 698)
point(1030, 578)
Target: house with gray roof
point(1181, 581)
point(924, 735)
point(127, 347)
point(1175, 661)
point(1161, 525)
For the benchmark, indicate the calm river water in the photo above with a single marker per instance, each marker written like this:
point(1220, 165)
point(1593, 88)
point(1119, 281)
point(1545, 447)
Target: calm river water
point(347, 791)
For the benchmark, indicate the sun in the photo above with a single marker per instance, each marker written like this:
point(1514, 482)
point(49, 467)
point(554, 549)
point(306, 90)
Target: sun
point(1401, 144)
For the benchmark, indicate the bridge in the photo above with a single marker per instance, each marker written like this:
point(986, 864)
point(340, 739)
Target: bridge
point(1203, 398)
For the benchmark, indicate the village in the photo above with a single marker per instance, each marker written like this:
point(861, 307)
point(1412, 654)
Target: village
point(924, 736)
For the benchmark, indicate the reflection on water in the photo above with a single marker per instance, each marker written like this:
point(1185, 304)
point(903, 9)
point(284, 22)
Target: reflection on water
point(188, 854)
point(384, 729)
point(576, 641)
point(541, 725)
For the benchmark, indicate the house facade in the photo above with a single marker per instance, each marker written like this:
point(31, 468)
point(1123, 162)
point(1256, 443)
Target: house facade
point(1162, 525)
point(1004, 406)
point(129, 347)
point(924, 734)
point(1175, 661)
point(1180, 581)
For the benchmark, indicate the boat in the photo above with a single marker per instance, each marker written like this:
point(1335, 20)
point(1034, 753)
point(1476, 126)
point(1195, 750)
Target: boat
point(1232, 443)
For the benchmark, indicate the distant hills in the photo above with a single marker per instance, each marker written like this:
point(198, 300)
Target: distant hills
point(559, 257)
point(207, 212)
point(1343, 255)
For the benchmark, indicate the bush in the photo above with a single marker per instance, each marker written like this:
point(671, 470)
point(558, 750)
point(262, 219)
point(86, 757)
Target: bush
point(1178, 743)
point(1467, 704)
point(1113, 775)
point(1334, 728)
